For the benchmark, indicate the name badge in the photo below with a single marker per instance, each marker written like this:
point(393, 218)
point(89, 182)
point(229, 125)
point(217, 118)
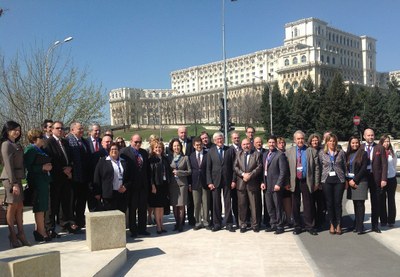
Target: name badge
point(332, 173)
point(300, 168)
point(350, 175)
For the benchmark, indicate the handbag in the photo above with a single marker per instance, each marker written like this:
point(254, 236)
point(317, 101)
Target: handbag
point(28, 196)
point(3, 213)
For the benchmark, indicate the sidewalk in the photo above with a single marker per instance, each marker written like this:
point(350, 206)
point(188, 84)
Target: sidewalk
point(195, 253)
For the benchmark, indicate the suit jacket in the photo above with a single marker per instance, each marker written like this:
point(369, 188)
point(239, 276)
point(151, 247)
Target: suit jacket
point(254, 167)
point(379, 166)
point(89, 142)
point(104, 177)
point(218, 170)
point(313, 172)
point(58, 161)
point(158, 167)
point(80, 158)
point(94, 159)
point(277, 170)
point(140, 176)
point(13, 159)
point(198, 179)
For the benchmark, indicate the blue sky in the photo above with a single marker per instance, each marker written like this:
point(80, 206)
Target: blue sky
point(137, 43)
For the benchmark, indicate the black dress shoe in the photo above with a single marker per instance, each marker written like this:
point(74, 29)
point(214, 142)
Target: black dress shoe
point(361, 233)
point(279, 231)
point(243, 230)
point(54, 235)
point(134, 234)
point(376, 230)
point(230, 228)
point(144, 233)
point(270, 229)
point(312, 232)
point(297, 231)
point(198, 227)
point(215, 229)
point(159, 232)
point(163, 230)
point(256, 230)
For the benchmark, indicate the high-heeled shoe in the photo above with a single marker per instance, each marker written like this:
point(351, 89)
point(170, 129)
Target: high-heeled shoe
point(23, 240)
point(14, 243)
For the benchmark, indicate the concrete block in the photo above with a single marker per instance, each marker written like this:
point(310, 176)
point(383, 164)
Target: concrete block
point(105, 230)
point(30, 262)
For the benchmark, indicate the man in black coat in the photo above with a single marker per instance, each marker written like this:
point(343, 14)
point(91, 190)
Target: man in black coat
point(138, 164)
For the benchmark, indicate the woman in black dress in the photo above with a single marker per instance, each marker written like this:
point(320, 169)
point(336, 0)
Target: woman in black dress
point(160, 179)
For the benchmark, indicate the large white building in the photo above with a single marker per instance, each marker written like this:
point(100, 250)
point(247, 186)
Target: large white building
point(310, 48)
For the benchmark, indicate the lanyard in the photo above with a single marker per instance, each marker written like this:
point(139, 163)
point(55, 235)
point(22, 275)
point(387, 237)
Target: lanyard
point(352, 157)
point(332, 159)
point(39, 150)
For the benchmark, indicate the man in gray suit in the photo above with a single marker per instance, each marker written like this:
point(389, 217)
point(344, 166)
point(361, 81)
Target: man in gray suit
point(276, 169)
point(304, 179)
point(248, 167)
point(218, 180)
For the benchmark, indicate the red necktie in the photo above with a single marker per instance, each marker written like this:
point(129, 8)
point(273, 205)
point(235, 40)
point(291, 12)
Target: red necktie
point(96, 148)
point(299, 173)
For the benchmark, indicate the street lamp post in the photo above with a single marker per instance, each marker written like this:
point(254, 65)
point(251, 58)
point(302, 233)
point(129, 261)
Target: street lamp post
point(47, 73)
point(225, 84)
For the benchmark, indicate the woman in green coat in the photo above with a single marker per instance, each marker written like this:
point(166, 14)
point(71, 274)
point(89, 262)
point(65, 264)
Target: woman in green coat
point(38, 166)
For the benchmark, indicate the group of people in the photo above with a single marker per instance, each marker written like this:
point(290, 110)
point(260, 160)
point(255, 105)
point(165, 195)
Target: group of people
point(198, 178)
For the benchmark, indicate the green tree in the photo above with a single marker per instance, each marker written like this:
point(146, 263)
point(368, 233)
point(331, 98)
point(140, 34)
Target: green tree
point(375, 114)
point(334, 113)
point(393, 107)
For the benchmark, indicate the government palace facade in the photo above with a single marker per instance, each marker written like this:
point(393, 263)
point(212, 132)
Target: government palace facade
point(310, 48)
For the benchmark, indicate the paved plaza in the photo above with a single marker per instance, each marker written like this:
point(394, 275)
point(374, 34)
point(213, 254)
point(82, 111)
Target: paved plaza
point(203, 253)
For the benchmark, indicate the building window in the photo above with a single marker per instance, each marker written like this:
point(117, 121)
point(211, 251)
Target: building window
point(322, 58)
point(303, 59)
point(286, 62)
point(295, 60)
point(333, 60)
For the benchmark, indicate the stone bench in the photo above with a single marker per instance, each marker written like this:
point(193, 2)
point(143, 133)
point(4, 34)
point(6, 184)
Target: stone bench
point(105, 230)
point(28, 261)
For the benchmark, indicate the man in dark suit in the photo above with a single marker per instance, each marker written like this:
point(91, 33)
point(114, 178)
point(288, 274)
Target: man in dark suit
point(275, 169)
point(304, 179)
point(258, 146)
point(198, 185)
point(377, 177)
point(80, 157)
point(138, 164)
point(218, 181)
point(61, 185)
point(94, 141)
point(248, 167)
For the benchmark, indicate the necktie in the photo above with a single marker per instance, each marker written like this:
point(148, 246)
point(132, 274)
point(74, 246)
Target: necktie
point(245, 161)
point(369, 150)
point(220, 153)
point(139, 161)
point(63, 150)
point(267, 162)
point(96, 148)
point(198, 159)
point(299, 173)
point(184, 147)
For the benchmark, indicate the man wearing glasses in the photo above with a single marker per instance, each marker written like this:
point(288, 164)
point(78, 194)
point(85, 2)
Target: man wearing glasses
point(138, 165)
point(61, 186)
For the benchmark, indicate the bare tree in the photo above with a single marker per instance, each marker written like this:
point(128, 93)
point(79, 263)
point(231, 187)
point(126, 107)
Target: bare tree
point(250, 109)
point(39, 86)
point(194, 114)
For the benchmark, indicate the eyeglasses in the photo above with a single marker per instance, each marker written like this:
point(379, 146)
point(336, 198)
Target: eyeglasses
point(137, 142)
point(59, 128)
